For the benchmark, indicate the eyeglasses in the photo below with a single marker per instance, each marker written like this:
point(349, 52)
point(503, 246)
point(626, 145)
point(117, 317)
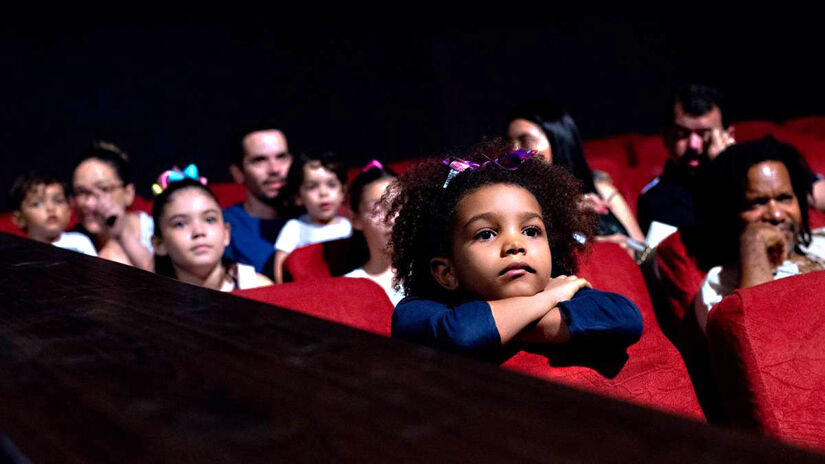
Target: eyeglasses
point(509, 161)
point(98, 192)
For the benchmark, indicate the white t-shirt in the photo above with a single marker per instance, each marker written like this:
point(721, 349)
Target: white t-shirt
point(721, 281)
point(245, 277)
point(147, 229)
point(301, 232)
point(386, 284)
point(76, 241)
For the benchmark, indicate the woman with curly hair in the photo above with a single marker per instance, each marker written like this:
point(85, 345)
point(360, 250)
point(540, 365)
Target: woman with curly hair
point(485, 246)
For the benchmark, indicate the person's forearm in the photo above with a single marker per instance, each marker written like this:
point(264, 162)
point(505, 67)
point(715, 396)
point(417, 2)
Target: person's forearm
point(139, 256)
point(512, 315)
point(549, 329)
point(755, 267)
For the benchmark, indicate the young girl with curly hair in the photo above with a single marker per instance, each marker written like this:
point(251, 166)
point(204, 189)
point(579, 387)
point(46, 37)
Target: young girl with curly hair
point(485, 246)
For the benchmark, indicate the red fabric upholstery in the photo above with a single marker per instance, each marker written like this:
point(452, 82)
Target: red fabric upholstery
point(8, 227)
point(228, 193)
point(358, 303)
point(648, 150)
point(142, 204)
point(307, 264)
point(768, 347)
point(811, 125)
point(752, 130)
point(812, 148)
point(680, 277)
point(653, 376)
point(614, 148)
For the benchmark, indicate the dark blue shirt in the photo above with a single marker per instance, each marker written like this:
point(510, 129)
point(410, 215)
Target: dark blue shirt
point(253, 239)
point(593, 317)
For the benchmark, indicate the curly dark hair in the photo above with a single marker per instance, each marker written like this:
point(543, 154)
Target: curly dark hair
point(724, 197)
point(423, 227)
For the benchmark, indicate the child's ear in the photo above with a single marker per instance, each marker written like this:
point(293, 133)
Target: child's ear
point(443, 273)
point(18, 219)
point(227, 234)
point(158, 245)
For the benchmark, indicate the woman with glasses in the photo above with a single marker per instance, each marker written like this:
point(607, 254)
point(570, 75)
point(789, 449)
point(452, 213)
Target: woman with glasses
point(103, 188)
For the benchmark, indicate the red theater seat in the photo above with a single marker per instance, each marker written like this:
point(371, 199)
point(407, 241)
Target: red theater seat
point(680, 279)
point(8, 227)
point(358, 303)
point(614, 148)
point(811, 125)
point(767, 345)
point(752, 130)
point(228, 193)
point(648, 150)
point(654, 374)
point(812, 148)
point(307, 264)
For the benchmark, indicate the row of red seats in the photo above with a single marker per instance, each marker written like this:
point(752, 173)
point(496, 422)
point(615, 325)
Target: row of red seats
point(765, 343)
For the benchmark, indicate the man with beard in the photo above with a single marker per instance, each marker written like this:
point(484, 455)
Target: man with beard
point(694, 132)
point(260, 166)
point(755, 220)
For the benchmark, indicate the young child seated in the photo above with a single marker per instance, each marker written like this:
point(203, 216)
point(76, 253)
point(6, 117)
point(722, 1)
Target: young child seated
point(369, 217)
point(190, 236)
point(318, 186)
point(42, 211)
point(484, 248)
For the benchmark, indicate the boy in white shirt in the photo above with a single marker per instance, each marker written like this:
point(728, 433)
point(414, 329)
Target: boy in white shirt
point(42, 211)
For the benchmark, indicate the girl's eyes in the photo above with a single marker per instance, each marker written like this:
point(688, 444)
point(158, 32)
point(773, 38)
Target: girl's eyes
point(211, 219)
point(484, 235)
point(178, 224)
point(532, 231)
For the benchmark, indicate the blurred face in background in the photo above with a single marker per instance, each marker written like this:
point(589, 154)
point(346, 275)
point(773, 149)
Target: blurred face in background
point(529, 136)
point(99, 194)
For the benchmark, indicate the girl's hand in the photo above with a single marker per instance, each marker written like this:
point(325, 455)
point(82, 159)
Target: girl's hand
point(563, 287)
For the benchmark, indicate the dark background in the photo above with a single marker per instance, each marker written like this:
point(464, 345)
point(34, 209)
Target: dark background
point(180, 88)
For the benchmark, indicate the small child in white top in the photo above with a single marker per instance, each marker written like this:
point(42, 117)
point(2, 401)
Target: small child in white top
point(42, 211)
point(318, 185)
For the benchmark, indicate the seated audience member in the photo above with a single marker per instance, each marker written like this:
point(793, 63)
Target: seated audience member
point(694, 132)
point(190, 235)
point(551, 131)
point(103, 188)
point(484, 247)
point(369, 216)
point(261, 166)
point(316, 184)
point(42, 211)
point(756, 220)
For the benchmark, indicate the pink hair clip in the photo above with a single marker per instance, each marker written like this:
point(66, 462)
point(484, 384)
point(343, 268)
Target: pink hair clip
point(373, 164)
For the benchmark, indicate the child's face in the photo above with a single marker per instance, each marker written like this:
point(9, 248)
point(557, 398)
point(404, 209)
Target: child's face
point(500, 248)
point(321, 193)
point(371, 213)
point(44, 212)
point(193, 231)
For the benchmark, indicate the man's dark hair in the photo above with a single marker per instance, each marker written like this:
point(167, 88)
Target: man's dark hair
point(724, 199)
point(238, 135)
point(25, 183)
point(695, 100)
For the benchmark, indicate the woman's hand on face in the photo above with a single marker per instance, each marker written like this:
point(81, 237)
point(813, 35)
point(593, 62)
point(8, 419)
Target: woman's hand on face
point(563, 287)
point(594, 202)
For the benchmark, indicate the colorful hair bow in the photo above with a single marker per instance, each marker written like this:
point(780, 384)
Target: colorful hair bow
point(509, 161)
point(373, 164)
point(176, 175)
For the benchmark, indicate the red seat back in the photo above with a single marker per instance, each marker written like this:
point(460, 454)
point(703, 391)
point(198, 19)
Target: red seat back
point(228, 193)
point(680, 278)
point(767, 344)
point(654, 374)
point(358, 303)
point(752, 130)
point(810, 125)
point(307, 264)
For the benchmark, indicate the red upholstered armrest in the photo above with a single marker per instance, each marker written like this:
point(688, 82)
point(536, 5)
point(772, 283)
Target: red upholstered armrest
point(680, 277)
point(358, 303)
point(653, 375)
point(767, 344)
point(307, 263)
